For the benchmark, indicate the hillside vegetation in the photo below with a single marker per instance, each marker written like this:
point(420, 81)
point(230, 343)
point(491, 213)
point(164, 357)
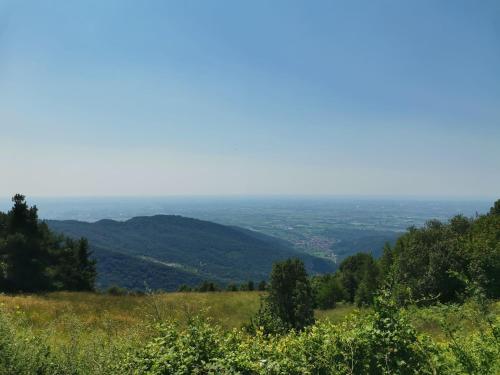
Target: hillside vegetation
point(168, 251)
point(437, 262)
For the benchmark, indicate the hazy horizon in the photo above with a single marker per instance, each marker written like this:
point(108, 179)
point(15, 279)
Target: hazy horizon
point(254, 212)
point(277, 196)
point(293, 98)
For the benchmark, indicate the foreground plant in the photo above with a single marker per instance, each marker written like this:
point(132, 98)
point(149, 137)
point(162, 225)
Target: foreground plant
point(382, 342)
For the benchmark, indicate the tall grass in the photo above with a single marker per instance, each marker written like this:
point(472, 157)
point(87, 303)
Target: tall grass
point(103, 312)
point(87, 333)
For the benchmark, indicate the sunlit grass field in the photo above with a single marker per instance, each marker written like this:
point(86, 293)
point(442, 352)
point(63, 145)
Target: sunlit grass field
point(97, 320)
point(230, 309)
point(103, 312)
point(81, 318)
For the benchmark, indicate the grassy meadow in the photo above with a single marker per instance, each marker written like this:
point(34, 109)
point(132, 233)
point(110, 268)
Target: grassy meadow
point(115, 315)
point(91, 332)
point(59, 315)
point(91, 328)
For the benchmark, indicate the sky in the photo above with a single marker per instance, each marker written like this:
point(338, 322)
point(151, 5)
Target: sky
point(158, 98)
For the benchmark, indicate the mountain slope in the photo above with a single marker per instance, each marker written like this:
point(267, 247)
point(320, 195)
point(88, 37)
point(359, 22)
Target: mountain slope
point(134, 272)
point(181, 250)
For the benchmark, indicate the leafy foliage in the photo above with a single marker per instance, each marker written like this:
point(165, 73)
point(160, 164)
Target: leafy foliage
point(426, 264)
point(433, 260)
point(328, 290)
point(359, 276)
point(382, 342)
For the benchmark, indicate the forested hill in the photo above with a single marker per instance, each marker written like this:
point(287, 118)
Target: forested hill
point(167, 251)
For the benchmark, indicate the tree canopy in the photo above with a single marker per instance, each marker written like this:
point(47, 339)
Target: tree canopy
point(434, 262)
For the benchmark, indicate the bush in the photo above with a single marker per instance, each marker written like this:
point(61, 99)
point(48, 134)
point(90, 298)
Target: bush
point(327, 291)
point(379, 343)
point(477, 352)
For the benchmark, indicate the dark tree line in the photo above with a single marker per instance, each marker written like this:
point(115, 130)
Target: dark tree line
point(209, 286)
point(436, 262)
point(33, 259)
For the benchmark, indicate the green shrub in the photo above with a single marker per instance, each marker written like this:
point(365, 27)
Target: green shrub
point(473, 348)
point(327, 291)
point(382, 342)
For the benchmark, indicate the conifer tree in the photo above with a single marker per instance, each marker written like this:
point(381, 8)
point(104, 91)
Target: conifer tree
point(34, 259)
point(290, 302)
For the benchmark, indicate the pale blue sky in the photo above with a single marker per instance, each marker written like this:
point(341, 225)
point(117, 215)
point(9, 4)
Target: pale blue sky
point(250, 97)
